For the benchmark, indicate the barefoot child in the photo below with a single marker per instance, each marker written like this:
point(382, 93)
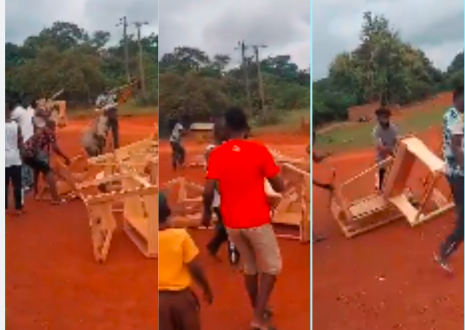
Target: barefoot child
point(178, 267)
point(13, 163)
point(221, 236)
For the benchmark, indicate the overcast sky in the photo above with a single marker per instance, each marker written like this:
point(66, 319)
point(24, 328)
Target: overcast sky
point(436, 26)
point(283, 25)
point(29, 17)
point(217, 26)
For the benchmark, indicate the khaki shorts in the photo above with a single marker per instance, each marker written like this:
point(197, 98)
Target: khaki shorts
point(258, 248)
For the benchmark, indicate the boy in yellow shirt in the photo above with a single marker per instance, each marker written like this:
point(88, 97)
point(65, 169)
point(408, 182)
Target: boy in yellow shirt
point(178, 267)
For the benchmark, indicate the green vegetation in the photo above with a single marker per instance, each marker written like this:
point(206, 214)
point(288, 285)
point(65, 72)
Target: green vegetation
point(195, 86)
point(84, 64)
point(359, 135)
point(382, 68)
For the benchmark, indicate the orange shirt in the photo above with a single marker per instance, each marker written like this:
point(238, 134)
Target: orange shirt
point(240, 167)
point(175, 250)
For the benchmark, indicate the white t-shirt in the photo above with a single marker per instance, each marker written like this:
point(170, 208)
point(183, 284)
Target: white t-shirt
point(176, 133)
point(216, 197)
point(24, 118)
point(12, 155)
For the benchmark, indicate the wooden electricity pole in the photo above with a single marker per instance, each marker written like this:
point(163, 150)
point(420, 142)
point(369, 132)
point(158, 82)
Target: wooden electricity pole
point(124, 23)
point(138, 26)
point(243, 49)
point(261, 89)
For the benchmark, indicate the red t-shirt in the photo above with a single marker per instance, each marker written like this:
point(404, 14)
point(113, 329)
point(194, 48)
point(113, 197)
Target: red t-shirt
point(241, 167)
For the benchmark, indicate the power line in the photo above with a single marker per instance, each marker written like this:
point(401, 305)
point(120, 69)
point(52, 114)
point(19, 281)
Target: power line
point(124, 23)
point(241, 46)
point(139, 26)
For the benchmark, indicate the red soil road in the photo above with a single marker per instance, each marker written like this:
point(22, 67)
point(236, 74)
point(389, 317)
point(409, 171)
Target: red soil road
point(385, 279)
point(231, 311)
point(52, 280)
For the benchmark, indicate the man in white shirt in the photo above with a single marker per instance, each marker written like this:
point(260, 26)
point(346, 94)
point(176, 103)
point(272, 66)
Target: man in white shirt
point(24, 118)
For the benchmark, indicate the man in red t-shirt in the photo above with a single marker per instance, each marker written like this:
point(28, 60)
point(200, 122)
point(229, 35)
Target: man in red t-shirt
point(240, 168)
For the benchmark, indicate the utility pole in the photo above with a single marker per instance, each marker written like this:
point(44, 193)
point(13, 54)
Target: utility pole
point(138, 26)
point(261, 89)
point(124, 23)
point(243, 48)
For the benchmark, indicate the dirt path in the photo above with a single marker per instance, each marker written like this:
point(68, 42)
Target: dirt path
point(385, 279)
point(52, 280)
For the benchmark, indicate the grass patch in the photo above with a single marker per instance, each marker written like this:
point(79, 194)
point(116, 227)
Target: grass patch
point(288, 121)
point(359, 135)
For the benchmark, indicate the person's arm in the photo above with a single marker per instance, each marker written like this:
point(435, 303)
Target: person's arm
point(192, 261)
point(271, 171)
point(20, 139)
point(213, 168)
point(57, 150)
point(379, 144)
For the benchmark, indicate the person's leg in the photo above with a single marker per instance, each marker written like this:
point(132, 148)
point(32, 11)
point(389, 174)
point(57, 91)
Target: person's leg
point(186, 311)
point(455, 239)
point(381, 176)
point(220, 235)
point(249, 263)
point(165, 306)
point(182, 154)
point(17, 182)
point(268, 256)
point(7, 185)
point(174, 155)
point(115, 132)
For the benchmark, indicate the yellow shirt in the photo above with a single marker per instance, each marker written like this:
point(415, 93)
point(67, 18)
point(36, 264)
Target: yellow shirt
point(175, 250)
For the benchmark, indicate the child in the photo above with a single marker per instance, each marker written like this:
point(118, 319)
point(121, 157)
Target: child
point(385, 134)
point(13, 164)
point(221, 236)
point(178, 267)
point(36, 154)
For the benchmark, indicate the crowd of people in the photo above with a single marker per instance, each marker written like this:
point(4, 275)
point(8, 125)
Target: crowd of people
point(31, 140)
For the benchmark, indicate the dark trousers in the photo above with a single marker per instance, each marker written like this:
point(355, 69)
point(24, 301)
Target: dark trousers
point(113, 126)
point(455, 239)
point(13, 175)
point(381, 176)
point(178, 310)
point(178, 154)
point(220, 237)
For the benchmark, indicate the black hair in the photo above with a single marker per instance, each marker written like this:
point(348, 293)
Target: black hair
point(458, 92)
point(164, 211)
point(33, 104)
point(171, 123)
point(236, 120)
point(383, 112)
point(10, 105)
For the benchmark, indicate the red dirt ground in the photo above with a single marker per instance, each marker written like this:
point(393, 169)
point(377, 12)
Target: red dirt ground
point(382, 280)
point(52, 280)
point(385, 279)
